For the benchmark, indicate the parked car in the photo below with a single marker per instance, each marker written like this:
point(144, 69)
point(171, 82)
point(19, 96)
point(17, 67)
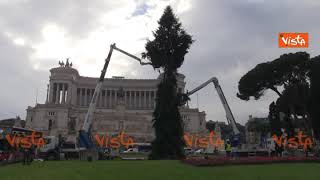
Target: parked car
point(188, 151)
point(131, 150)
point(199, 151)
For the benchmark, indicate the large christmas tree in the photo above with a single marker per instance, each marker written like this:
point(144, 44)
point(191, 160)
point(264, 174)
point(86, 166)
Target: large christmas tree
point(166, 52)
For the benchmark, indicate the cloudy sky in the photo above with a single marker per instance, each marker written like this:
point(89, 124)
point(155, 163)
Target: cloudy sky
point(232, 36)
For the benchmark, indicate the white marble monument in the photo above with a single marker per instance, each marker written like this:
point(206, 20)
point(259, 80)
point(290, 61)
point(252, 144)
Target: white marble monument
point(123, 104)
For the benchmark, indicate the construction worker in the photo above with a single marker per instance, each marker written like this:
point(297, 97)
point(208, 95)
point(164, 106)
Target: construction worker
point(228, 148)
point(26, 156)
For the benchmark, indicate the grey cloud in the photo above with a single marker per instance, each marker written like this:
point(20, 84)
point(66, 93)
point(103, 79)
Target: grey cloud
point(19, 80)
point(78, 17)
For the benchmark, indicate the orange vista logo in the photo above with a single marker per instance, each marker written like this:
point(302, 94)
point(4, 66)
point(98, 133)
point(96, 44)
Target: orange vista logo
point(114, 142)
point(25, 141)
point(293, 40)
point(195, 141)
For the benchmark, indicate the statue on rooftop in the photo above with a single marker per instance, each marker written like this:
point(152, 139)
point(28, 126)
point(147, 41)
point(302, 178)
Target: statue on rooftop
point(61, 63)
point(67, 63)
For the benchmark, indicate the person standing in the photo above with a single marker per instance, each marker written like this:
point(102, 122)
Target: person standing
point(26, 156)
point(228, 148)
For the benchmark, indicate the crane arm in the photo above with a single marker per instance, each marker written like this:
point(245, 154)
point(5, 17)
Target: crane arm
point(133, 56)
point(189, 93)
point(88, 119)
point(84, 133)
point(229, 115)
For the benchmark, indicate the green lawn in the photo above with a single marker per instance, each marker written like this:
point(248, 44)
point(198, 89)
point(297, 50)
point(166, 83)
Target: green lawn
point(154, 170)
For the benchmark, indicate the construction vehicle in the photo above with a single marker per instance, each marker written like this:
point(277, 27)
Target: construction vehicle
point(184, 97)
point(56, 148)
point(85, 138)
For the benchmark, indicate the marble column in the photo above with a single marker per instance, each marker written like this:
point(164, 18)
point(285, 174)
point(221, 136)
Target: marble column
point(72, 88)
point(51, 93)
point(144, 99)
point(140, 99)
point(57, 93)
point(69, 93)
point(135, 100)
point(115, 97)
point(85, 96)
point(88, 96)
point(47, 96)
point(154, 98)
point(82, 93)
point(63, 93)
point(105, 98)
point(80, 96)
point(99, 100)
point(149, 101)
point(125, 98)
point(130, 100)
point(91, 95)
point(110, 98)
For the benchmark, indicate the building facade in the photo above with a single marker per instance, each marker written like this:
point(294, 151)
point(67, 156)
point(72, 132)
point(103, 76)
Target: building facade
point(257, 130)
point(123, 105)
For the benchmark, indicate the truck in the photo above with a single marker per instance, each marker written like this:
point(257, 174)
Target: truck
point(57, 148)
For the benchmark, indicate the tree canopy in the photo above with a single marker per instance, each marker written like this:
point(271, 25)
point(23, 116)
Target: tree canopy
point(297, 74)
point(314, 106)
point(283, 71)
point(171, 43)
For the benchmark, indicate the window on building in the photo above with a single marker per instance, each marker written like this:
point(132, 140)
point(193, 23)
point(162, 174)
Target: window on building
point(51, 113)
point(50, 125)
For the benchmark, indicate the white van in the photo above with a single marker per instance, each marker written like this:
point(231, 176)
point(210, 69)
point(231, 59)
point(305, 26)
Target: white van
point(131, 150)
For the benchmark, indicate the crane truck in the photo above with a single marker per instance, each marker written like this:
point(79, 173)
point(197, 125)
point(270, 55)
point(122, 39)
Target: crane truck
point(88, 147)
point(184, 97)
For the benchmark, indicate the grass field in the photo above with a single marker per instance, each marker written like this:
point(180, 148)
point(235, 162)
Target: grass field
point(155, 170)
